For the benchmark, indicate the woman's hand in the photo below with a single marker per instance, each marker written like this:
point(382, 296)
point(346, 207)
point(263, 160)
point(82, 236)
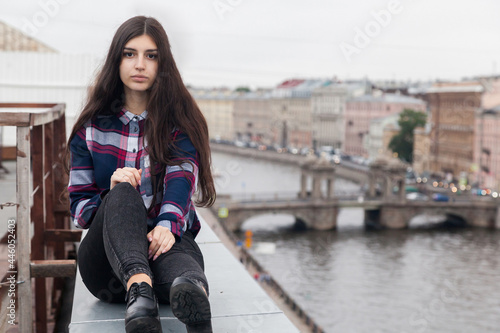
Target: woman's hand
point(161, 240)
point(129, 175)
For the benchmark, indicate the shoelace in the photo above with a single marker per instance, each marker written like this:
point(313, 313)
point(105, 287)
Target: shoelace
point(136, 291)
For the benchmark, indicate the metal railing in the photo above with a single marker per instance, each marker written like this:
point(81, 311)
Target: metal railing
point(41, 142)
point(289, 196)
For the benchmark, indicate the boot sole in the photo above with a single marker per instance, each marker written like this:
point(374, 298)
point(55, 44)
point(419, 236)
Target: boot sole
point(191, 306)
point(143, 325)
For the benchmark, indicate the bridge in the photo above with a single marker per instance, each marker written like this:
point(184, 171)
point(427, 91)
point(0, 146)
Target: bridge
point(318, 208)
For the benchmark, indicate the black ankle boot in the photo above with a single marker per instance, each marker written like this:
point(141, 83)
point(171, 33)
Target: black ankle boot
point(190, 304)
point(142, 310)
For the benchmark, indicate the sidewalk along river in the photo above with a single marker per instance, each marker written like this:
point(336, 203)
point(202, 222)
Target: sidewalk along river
point(424, 279)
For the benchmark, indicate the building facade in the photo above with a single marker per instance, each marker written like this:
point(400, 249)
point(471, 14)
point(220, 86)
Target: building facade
point(328, 106)
point(453, 107)
point(374, 141)
point(421, 149)
point(491, 94)
point(217, 105)
point(487, 135)
point(328, 112)
point(389, 131)
point(252, 117)
point(487, 149)
point(291, 110)
point(361, 110)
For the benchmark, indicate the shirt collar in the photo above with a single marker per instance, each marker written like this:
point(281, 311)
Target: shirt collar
point(126, 116)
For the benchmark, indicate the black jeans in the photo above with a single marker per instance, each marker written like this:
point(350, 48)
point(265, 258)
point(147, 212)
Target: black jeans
point(116, 247)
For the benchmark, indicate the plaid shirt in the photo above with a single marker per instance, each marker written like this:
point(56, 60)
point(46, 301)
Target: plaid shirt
point(106, 143)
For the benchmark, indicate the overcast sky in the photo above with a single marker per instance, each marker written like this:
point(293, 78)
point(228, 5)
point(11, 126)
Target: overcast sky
point(262, 42)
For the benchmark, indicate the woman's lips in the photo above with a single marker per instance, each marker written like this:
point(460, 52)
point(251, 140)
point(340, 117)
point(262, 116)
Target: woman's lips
point(139, 78)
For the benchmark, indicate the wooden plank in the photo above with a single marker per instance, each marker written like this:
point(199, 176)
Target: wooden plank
point(37, 211)
point(23, 229)
point(56, 140)
point(46, 117)
point(54, 112)
point(48, 177)
point(53, 268)
point(27, 105)
point(49, 215)
point(62, 208)
point(63, 235)
point(8, 153)
point(61, 181)
point(38, 218)
point(15, 119)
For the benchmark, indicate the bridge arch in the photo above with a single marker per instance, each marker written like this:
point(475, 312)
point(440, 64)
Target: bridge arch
point(456, 220)
point(277, 220)
point(437, 217)
point(236, 219)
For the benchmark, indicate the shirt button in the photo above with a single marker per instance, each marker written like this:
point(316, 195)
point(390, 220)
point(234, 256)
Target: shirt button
point(134, 150)
point(136, 129)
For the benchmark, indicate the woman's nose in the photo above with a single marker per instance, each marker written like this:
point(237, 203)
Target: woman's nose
point(139, 65)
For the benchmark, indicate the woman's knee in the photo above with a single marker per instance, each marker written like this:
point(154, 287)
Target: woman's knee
point(123, 188)
point(125, 194)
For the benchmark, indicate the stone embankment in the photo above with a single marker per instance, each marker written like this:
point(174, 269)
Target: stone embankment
point(345, 170)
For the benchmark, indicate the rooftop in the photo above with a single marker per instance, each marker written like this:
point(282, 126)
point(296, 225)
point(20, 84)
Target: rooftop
point(12, 39)
point(446, 87)
point(388, 98)
point(238, 302)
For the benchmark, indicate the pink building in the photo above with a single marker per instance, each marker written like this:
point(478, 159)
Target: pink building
point(361, 110)
point(487, 149)
point(486, 165)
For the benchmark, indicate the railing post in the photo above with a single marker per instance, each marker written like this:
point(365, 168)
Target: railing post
point(23, 230)
point(38, 216)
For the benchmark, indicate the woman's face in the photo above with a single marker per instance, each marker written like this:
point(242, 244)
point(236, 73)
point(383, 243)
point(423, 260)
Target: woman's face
point(139, 64)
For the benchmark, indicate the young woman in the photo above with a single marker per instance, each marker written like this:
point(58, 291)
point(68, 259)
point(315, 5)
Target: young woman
point(138, 152)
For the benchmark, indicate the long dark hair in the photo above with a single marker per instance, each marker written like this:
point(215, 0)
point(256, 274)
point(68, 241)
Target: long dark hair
point(170, 104)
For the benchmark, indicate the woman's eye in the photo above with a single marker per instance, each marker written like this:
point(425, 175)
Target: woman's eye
point(152, 56)
point(128, 54)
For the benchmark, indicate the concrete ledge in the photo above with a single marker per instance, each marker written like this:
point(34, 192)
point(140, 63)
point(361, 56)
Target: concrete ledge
point(238, 303)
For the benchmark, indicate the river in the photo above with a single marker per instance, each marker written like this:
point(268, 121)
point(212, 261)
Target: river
point(423, 279)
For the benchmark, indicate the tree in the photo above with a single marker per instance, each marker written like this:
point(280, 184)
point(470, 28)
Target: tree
point(402, 143)
point(242, 89)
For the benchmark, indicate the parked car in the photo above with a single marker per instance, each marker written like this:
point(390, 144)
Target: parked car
point(440, 197)
point(240, 144)
point(305, 151)
point(335, 159)
point(417, 196)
